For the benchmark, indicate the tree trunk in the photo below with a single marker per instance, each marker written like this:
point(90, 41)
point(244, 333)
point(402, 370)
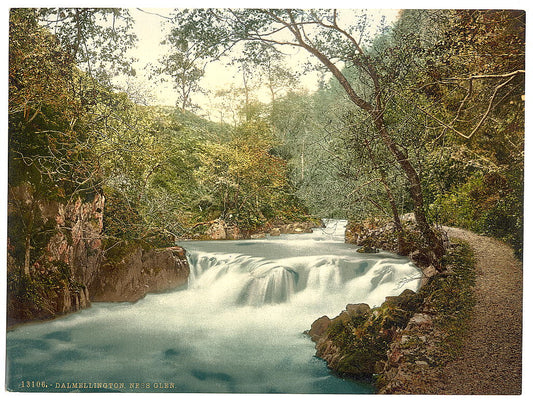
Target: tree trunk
point(302, 159)
point(27, 242)
point(376, 113)
point(390, 198)
point(27, 246)
point(415, 188)
point(247, 113)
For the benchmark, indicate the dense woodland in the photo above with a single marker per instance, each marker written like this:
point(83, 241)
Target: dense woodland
point(426, 117)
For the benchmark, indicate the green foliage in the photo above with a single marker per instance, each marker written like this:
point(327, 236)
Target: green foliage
point(164, 170)
point(46, 128)
point(246, 183)
point(488, 204)
point(452, 297)
point(465, 135)
point(97, 38)
point(459, 283)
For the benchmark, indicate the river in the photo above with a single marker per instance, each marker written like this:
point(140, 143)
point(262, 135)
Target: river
point(237, 327)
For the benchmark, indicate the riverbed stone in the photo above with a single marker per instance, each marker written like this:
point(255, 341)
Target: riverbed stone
point(217, 230)
point(358, 309)
point(275, 232)
point(318, 328)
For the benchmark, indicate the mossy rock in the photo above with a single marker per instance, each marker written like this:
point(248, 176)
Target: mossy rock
point(367, 249)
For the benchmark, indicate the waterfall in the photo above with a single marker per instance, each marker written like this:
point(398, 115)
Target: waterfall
point(275, 270)
point(237, 327)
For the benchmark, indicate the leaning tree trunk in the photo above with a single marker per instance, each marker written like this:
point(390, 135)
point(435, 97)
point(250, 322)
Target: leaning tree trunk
point(376, 113)
point(27, 239)
point(415, 188)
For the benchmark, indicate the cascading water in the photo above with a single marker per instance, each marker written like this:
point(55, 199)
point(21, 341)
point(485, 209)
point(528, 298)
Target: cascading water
point(236, 328)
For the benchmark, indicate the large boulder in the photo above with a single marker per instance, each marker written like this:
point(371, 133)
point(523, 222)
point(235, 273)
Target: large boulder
point(140, 271)
point(355, 342)
point(217, 230)
point(318, 328)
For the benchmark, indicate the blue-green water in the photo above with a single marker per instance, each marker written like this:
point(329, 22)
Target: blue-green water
point(237, 328)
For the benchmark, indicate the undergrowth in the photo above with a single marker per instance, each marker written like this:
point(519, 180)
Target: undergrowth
point(451, 296)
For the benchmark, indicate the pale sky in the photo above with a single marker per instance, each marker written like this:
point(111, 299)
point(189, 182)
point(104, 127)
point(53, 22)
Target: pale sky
point(151, 30)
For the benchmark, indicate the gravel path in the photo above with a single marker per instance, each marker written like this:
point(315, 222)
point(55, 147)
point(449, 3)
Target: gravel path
point(491, 363)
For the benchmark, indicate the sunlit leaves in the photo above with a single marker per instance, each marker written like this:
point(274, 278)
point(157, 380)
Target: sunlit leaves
point(97, 38)
point(47, 130)
point(247, 184)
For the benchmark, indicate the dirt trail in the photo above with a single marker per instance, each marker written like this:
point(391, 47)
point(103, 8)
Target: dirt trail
point(491, 363)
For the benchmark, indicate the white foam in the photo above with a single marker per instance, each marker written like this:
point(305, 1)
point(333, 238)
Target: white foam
point(237, 327)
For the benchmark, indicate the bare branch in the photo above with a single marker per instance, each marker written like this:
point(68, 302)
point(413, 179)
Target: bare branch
point(485, 76)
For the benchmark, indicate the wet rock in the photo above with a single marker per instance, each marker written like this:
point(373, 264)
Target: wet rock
point(406, 300)
point(140, 271)
point(297, 227)
point(427, 273)
point(275, 232)
point(318, 328)
point(367, 249)
point(358, 309)
point(217, 230)
point(233, 232)
point(421, 258)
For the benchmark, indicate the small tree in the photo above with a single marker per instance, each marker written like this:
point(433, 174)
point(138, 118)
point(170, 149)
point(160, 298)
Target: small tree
point(182, 66)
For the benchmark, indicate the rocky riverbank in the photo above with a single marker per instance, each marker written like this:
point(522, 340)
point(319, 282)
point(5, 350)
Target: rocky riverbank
point(401, 345)
point(220, 229)
point(58, 260)
point(71, 265)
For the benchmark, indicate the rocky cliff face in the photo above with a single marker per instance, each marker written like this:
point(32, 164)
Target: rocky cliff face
point(138, 272)
point(54, 249)
point(56, 262)
point(77, 239)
